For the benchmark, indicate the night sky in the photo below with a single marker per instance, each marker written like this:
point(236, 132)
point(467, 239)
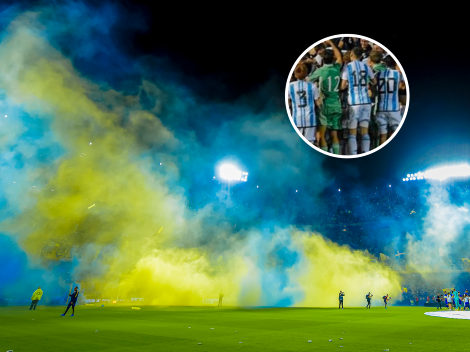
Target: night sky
point(243, 59)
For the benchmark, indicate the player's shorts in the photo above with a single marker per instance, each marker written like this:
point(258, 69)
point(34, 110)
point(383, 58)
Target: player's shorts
point(308, 132)
point(330, 115)
point(359, 115)
point(387, 119)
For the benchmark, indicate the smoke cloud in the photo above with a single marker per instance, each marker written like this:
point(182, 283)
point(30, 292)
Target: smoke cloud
point(109, 168)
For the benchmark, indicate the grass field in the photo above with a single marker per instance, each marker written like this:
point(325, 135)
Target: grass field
point(283, 329)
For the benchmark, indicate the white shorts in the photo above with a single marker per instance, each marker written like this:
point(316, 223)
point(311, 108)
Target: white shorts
point(359, 114)
point(387, 119)
point(308, 132)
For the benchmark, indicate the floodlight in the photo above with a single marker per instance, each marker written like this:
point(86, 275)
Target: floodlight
point(230, 172)
point(444, 173)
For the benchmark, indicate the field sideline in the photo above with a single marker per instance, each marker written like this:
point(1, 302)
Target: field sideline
point(156, 328)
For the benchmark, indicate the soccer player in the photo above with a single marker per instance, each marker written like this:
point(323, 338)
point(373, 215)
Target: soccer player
point(466, 306)
point(35, 298)
point(328, 77)
point(386, 299)
point(438, 299)
point(368, 297)
point(456, 300)
point(303, 97)
point(449, 300)
point(375, 62)
point(341, 295)
point(388, 108)
point(73, 301)
point(358, 76)
point(221, 295)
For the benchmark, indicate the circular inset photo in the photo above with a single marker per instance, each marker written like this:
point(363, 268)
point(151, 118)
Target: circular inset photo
point(347, 96)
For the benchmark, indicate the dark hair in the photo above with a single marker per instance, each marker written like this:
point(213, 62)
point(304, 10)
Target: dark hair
point(320, 47)
point(390, 62)
point(357, 51)
point(328, 57)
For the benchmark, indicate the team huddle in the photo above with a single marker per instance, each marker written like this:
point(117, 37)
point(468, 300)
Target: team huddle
point(454, 300)
point(359, 96)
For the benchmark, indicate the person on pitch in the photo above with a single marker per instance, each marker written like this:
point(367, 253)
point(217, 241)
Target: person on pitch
point(35, 298)
point(73, 301)
point(438, 299)
point(368, 297)
point(341, 295)
point(457, 300)
point(221, 296)
point(386, 299)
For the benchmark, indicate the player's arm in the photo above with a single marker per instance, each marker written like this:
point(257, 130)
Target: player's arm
point(373, 80)
point(344, 79)
point(402, 95)
point(338, 55)
point(316, 96)
point(373, 89)
point(341, 43)
point(314, 77)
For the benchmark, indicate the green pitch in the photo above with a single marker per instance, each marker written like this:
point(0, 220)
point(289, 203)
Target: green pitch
point(285, 329)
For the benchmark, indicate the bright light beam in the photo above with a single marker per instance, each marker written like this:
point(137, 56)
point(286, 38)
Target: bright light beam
point(444, 173)
point(231, 173)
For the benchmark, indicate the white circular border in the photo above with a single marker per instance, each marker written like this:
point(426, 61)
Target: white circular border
point(388, 140)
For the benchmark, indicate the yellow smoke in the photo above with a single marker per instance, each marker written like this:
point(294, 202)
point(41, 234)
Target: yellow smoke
point(330, 268)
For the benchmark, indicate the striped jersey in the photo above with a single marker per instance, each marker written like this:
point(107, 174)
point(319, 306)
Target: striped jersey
point(358, 76)
point(303, 95)
point(388, 83)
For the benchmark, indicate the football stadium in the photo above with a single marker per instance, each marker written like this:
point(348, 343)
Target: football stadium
point(154, 195)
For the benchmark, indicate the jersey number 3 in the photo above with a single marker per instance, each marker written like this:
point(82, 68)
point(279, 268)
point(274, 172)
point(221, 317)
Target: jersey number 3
point(302, 98)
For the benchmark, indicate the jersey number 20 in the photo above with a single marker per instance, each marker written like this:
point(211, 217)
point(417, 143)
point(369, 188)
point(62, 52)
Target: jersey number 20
point(387, 85)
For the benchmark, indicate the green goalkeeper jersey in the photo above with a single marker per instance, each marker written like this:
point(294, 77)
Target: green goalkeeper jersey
point(329, 79)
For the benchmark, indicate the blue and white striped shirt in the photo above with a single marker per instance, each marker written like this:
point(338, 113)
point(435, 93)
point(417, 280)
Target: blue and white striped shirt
point(303, 95)
point(358, 76)
point(388, 82)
